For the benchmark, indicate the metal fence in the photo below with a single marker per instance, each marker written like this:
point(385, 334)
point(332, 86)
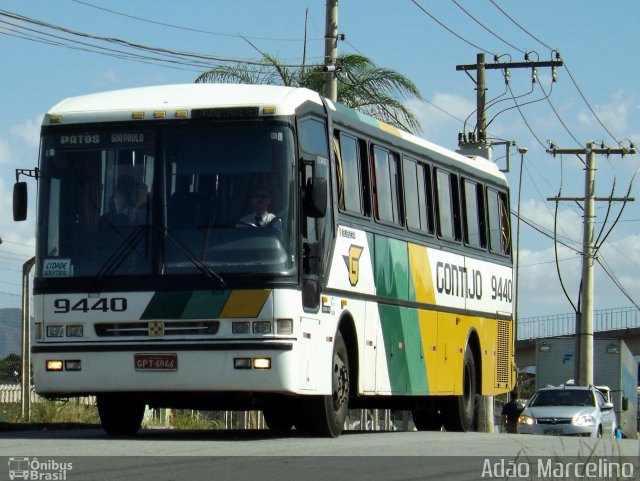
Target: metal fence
point(10, 338)
point(565, 324)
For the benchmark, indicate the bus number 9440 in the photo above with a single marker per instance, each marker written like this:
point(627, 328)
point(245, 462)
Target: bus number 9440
point(501, 289)
point(104, 304)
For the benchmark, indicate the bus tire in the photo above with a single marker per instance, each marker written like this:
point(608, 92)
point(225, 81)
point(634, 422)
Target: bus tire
point(460, 411)
point(327, 414)
point(278, 418)
point(119, 415)
point(427, 416)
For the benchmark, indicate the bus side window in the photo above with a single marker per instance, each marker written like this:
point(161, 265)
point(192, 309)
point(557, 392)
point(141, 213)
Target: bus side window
point(350, 181)
point(417, 193)
point(366, 186)
point(425, 189)
point(499, 225)
point(411, 195)
point(473, 219)
point(505, 227)
point(448, 205)
point(387, 201)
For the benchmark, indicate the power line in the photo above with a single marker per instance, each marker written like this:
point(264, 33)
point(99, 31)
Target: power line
point(171, 54)
point(616, 281)
point(550, 262)
point(520, 26)
point(589, 105)
point(87, 47)
point(557, 114)
point(448, 29)
point(565, 66)
point(543, 231)
point(486, 28)
point(188, 29)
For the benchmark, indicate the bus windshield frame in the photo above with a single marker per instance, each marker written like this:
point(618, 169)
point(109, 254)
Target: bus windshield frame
point(144, 204)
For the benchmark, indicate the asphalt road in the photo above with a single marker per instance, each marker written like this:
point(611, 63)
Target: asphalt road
point(161, 454)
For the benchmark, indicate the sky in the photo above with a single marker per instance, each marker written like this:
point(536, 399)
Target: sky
point(595, 98)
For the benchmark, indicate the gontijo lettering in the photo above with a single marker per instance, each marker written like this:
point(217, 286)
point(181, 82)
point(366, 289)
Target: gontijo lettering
point(457, 281)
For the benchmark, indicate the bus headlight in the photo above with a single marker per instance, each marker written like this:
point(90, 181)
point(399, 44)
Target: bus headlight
point(54, 365)
point(262, 327)
point(284, 326)
point(55, 331)
point(75, 331)
point(74, 365)
point(243, 327)
point(262, 363)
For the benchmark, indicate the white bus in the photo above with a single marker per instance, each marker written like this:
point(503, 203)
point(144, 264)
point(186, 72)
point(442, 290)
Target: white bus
point(377, 271)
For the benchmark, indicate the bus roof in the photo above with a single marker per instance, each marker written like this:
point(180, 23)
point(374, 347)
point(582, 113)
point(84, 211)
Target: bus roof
point(166, 101)
point(118, 104)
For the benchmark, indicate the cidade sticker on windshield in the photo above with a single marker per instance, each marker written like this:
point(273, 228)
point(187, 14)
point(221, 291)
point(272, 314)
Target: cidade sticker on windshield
point(57, 268)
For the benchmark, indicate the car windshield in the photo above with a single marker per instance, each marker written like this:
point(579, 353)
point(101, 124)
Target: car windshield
point(562, 397)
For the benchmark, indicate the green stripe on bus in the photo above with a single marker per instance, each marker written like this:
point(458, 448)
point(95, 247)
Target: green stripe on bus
point(413, 349)
point(391, 268)
point(167, 305)
point(403, 346)
point(400, 325)
point(205, 304)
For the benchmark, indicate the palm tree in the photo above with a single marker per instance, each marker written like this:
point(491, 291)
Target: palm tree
point(362, 85)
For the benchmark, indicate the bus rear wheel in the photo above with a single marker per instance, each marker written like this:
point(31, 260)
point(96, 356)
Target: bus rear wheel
point(120, 415)
point(460, 411)
point(327, 414)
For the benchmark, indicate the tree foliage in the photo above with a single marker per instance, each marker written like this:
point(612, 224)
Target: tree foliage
point(10, 368)
point(362, 85)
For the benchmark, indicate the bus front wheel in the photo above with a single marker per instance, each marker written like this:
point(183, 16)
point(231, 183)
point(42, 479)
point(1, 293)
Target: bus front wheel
point(120, 415)
point(279, 417)
point(427, 416)
point(327, 414)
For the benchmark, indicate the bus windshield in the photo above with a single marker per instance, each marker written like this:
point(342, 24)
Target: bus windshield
point(209, 199)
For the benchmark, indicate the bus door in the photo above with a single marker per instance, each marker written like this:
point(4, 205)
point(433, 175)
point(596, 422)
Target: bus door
point(316, 217)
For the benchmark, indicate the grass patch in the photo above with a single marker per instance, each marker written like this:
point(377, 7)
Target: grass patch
point(69, 411)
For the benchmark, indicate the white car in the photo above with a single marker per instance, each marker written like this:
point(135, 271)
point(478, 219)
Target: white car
point(568, 411)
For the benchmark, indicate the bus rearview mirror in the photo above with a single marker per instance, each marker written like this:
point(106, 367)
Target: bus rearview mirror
point(20, 201)
point(316, 196)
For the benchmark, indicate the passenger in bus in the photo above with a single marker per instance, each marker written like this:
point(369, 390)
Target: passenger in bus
point(137, 212)
point(129, 203)
point(261, 217)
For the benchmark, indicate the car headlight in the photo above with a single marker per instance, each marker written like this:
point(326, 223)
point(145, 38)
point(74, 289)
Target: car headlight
point(527, 420)
point(583, 420)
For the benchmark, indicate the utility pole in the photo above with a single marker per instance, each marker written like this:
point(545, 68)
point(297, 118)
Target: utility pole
point(476, 142)
point(584, 321)
point(331, 51)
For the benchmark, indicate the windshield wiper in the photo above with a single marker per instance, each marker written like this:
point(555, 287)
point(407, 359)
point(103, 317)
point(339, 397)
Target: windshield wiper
point(194, 259)
point(120, 254)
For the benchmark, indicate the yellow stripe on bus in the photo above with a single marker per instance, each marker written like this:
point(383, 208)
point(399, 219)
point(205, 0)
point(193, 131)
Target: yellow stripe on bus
point(245, 303)
point(421, 274)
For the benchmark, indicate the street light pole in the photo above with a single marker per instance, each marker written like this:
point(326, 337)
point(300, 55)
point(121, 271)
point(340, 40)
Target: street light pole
point(522, 151)
point(26, 348)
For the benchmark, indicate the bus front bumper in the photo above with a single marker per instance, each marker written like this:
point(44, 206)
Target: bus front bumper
point(88, 369)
